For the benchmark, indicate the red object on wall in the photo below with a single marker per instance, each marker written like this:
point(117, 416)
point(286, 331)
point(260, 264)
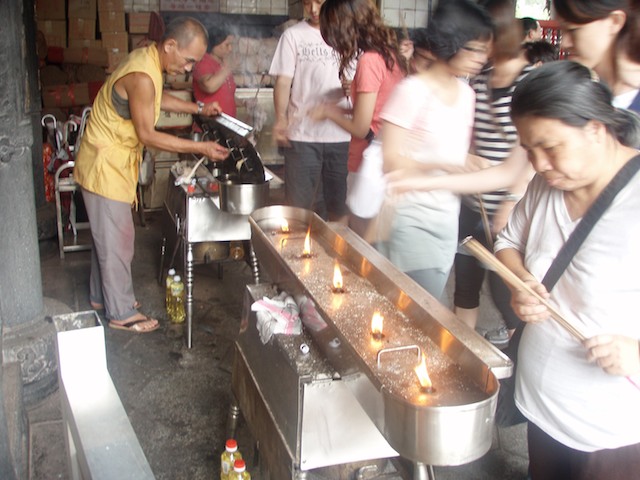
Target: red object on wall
point(552, 32)
point(49, 187)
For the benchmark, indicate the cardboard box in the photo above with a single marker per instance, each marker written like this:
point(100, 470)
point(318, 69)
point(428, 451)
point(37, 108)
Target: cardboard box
point(84, 28)
point(55, 32)
point(91, 56)
point(82, 9)
point(116, 41)
point(115, 57)
point(72, 95)
point(50, 9)
point(111, 5)
point(137, 41)
point(141, 6)
point(172, 119)
point(139, 22)
point(111, 21)
point(84, 43)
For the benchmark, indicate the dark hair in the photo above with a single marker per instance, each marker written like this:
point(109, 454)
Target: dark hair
point(454, 23)
point(528, 24)
point(587, 11)
point(217, 35)
point(354, 26)
point(570, 92)
point(508, 33)
point(540, 51)
point(183, 30)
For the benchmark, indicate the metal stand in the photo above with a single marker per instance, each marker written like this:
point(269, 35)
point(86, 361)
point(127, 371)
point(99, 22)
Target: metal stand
point(423, 472)
point(188, 273)
point(68, 185)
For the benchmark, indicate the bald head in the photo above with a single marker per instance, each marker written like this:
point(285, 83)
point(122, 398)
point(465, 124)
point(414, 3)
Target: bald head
point(184, 30)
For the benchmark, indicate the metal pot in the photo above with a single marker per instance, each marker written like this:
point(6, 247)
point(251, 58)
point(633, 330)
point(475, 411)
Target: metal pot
point(242, 198)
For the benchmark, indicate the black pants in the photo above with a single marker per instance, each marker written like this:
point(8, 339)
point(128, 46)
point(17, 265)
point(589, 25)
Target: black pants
point(469, 273)
point(551, 460)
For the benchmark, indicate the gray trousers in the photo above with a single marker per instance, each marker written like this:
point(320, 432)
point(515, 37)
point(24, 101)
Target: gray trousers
point(316, 177)
point(113, 235)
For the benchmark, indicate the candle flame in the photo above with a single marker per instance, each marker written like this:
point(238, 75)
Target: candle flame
point(337, 277)
point(307, 243)
point(423, 375)
point(284, 225)
point(376, 323)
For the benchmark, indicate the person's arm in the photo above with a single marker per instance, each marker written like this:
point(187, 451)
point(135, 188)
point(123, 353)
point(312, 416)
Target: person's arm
point(395, 138)
point(211, 82)
point(281, 94)
point(139, 90)
point(615, 354)
point(525, 305)
point(358, 123)
point(171, 103)
point(504, 175)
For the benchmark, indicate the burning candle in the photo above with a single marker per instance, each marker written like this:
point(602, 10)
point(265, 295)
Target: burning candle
point(306, 251)
point(376, 326)
point(423, 376)
point(284, 226)
point(338, 285)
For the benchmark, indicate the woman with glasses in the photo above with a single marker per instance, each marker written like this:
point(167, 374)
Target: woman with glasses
point(427, 128)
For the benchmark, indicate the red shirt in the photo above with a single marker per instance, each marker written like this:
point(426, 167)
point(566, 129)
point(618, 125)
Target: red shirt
point(224, 95)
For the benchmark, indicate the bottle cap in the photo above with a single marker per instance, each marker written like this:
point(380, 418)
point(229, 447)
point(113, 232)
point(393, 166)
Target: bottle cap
point(172, 271)
point(177, 278)
point(239, 465)
point(231, 445)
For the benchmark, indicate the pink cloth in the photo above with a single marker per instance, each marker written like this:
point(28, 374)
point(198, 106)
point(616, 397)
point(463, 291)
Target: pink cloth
point(371, 76)
point(225, 95)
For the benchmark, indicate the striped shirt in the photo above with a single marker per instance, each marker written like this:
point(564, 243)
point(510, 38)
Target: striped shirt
point(494, 134)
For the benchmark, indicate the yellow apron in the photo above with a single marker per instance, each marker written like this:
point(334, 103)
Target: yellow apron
point(108, 160)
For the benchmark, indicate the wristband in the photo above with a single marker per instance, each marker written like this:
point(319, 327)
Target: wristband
point(200, 107)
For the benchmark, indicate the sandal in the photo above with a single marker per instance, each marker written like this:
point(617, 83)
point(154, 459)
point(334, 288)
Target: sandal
point(135, 325)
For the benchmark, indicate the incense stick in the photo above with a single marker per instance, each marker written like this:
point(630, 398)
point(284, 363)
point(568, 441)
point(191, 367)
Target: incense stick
point(486, 257)
point(510, 278)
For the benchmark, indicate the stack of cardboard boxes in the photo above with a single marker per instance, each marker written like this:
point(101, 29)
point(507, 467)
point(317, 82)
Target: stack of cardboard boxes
point(91, 33)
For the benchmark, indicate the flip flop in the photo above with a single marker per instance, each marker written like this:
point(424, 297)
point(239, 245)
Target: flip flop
point(134, 325)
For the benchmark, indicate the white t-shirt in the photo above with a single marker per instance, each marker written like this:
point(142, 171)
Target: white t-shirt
point(303, 55)
point(574, 401)
point(425, 228)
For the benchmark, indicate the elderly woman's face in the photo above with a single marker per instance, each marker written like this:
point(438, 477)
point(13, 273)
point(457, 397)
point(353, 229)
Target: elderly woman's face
point(567, 157)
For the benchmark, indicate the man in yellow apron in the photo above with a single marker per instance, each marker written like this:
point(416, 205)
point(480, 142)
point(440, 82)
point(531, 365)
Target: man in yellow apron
point(122, 121)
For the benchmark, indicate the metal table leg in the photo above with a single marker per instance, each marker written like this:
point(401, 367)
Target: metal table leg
point(163, 249)
point(253, 262)
point(189, 285)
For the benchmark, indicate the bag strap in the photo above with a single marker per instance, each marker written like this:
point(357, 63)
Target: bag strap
point(578, 236)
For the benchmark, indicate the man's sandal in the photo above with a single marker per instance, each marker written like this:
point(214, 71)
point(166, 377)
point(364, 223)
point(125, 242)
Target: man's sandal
point(135, 325)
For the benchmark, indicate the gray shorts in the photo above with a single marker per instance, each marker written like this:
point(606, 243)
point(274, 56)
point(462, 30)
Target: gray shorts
point(316, 177)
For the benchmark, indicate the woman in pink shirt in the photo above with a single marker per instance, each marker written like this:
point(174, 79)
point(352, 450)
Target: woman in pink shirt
point(355, 30)
point(213, 75)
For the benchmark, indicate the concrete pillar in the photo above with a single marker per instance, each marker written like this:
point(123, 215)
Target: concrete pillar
point(25, 336)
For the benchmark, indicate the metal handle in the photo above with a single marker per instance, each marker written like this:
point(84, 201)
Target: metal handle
point(398, 349)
